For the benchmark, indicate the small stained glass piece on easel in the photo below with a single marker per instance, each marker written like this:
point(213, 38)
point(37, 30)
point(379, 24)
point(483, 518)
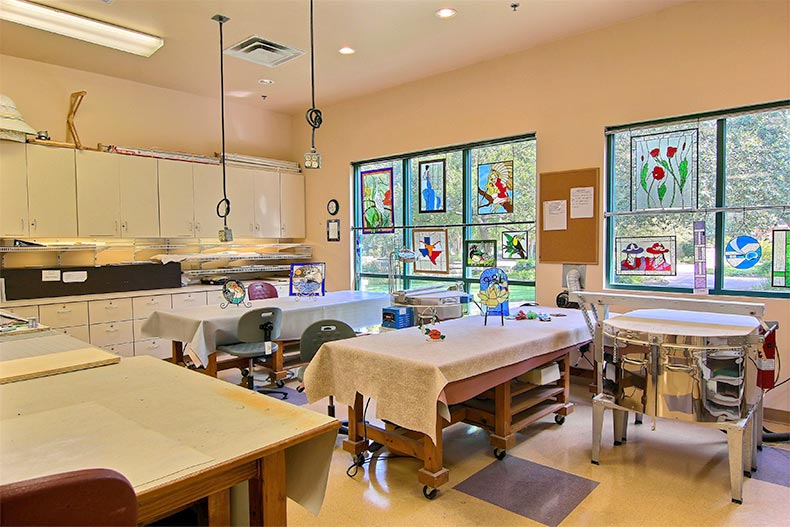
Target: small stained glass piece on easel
point(494, 293)
point(234, 293)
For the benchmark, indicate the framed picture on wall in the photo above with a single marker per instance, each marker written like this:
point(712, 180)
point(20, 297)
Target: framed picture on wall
point(433, 186)
point(646, 255)
point(378, 215)
point(431, 248)
point(480, 253)
point(515, 245)
point(495, 188)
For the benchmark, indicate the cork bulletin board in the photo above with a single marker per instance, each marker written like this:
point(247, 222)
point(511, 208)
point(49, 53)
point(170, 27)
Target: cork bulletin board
point(577, 242)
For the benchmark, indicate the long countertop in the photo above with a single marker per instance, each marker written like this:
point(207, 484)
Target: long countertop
point(110, 296)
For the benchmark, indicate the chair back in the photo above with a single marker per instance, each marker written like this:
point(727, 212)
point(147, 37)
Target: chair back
point(256, 323)
point(97, 496)
point(261, 290)
point(321, 332)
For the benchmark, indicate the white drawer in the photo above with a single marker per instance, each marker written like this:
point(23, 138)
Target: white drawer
point(215, 298)
point(78, 332)
point(143, 306)
point(138, 329)
point(64, 315)
point(23, 311)
point(185, 300)
point(124, 350)
point(159, 348)
point(103, 335)
point(101, 311)
point(282, 290)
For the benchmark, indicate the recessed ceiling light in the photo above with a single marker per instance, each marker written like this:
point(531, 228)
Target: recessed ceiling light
point(345, 50)
point(446, 12)
point(265, 81)
point(75, 26)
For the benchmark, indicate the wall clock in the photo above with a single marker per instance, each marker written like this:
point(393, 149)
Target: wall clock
point(332, 207)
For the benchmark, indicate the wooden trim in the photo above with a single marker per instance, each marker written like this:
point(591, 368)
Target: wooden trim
point(776, 415)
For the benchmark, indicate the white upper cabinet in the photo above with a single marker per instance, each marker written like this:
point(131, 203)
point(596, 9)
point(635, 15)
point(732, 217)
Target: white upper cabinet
point(207, 189)
point(267, 204)
point(292, 206)
point(241, 192)
point(98, 194)
point(52, 192)
point(176, 204)
point(13, 189)
point(139, 197)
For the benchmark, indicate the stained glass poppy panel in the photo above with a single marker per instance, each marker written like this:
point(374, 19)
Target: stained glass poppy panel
point(664, 170)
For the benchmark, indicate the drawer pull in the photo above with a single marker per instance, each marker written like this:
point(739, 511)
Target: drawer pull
point(152, 302)
point(63, 311)
point(111, 330)
point(153, 345)
point(110, 306)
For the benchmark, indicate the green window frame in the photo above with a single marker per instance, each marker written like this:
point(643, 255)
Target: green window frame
point(403, 165)
point(718, 207)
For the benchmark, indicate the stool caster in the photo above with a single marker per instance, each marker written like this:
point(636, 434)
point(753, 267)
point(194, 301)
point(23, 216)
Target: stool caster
point(430, 495)
point(279, 383)
point(500, 454)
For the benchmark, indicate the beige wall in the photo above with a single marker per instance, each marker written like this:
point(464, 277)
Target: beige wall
point(692, 58)
point(122, 112)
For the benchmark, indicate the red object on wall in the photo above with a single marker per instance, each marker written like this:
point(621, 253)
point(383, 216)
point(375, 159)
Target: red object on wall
point(766, 363)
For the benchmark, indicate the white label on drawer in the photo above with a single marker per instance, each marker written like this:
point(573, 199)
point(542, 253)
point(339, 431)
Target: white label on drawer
point(50, 275)
point(74, 276)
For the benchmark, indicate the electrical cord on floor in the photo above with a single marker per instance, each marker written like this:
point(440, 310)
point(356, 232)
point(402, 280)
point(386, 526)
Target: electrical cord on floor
point(353, 469)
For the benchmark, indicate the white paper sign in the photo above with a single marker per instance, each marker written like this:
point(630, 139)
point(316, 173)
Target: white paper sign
point(74, 276)
point(50, 275)
point(582, 199)
point(555, 215)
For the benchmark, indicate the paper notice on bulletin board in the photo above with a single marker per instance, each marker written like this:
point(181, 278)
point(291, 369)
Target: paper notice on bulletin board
point(582, 199)
point(555, 215)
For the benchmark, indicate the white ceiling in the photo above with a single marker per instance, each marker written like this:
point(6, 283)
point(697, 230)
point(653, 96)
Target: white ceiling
point(397, 41)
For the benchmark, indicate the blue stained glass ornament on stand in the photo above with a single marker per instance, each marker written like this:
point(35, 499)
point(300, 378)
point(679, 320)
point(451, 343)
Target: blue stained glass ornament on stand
point(494, 293)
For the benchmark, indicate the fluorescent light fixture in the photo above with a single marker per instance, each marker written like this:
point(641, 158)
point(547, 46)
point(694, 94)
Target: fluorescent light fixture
point(79, 27)
point(345, 50)
point(446, 12)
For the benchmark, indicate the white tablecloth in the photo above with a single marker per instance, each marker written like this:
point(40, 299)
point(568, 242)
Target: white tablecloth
point(405, 373)
point(206, 327)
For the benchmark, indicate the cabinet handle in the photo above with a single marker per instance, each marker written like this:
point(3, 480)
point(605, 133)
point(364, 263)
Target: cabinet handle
point(125, 226)
point(197, 226)
point(111, 330)
point(257, 227)
point(34, 224)
point(63, 311)
point(152, 302)
point(115, 228)
point(110, 306)
point(154, 345)
point(190, 227)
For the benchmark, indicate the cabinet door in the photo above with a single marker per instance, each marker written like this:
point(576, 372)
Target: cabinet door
point(176, 205)
point(241, 194)
point(267, 204)
point(52, 191)
point(207, 189)
point(98, 194)
point(292, 206)
point(13, 189)
point(139, 197)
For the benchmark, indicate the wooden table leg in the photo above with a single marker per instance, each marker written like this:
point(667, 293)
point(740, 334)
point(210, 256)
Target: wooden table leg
point(211, 367)
point(219, 508)
point(503, 438)
point(178, 352)
point(267, 492)
point(355, 444)
point(433, 474)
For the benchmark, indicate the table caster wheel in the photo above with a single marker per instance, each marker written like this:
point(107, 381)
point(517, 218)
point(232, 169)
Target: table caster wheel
point(618, 443)
point(747, 473)
point(359, 460)
point(245, 372)
point(559, 419)
point(739, 502)
point(430, 495)
point(500, 454)
point(279, 383)
point(594, 462)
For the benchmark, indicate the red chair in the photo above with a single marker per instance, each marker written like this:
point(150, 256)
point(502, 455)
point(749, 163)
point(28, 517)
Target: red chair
point(97, 496)
point(261, 290)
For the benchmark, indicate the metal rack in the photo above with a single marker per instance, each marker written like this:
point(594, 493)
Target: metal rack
point(236, 270)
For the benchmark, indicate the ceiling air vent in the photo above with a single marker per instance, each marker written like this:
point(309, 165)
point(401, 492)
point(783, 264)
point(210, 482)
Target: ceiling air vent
point(262, 51)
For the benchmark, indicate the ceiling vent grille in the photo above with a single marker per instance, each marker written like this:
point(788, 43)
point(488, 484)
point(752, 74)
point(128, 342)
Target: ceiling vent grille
point(261, 51)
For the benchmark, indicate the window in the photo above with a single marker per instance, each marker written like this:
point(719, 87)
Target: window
point(730, 170)
point(421, 200)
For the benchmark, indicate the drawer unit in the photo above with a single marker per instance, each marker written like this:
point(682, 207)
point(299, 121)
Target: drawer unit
point(143, 306)
point(186, 300)
point(215, 298)
point(101, 311)
point(159, 348)
point(124, 350)
point(78, 332)
point(111, 333)
point(64, 315)
point(23, 311)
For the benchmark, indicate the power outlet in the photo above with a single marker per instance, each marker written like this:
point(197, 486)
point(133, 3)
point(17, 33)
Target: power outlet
point(312, 160)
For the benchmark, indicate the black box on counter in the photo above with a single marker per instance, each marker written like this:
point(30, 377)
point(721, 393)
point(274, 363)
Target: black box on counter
point(23, 284)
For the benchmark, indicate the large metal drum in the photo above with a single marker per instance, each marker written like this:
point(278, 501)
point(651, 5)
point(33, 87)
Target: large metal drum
point(683, 365)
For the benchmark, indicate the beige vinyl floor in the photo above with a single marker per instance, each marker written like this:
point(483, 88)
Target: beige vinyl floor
point(675, 475)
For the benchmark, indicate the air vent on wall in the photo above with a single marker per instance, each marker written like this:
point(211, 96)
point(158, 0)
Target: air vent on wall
point(261, 51)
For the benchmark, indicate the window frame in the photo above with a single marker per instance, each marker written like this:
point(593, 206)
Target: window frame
point(467, 180)
point(720, 200)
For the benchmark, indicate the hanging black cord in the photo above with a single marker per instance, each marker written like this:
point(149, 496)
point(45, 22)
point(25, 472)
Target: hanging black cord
point(223, 207)
point(313, 115)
